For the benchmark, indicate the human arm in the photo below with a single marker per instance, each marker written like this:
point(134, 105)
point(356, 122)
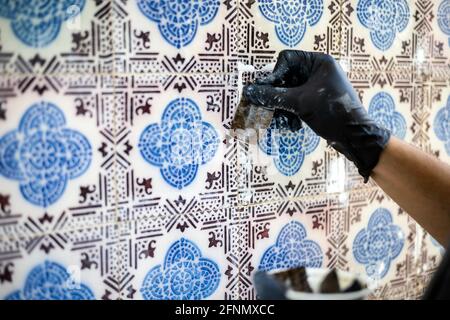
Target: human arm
point(313, 87)
point(418, 183)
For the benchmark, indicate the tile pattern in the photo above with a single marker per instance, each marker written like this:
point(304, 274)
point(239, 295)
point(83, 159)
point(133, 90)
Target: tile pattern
point(137, 220)
point(441, 125)
point(291, 19)
point(291, 250)
point(51, 281)
point(384, 19)
point(178, 22)
point(288, 148)
point(442, 16)
point(37, 24)
point(180, 143)
point(43, 155)
point(185, 275)
point(382, 110)
point(378, 244)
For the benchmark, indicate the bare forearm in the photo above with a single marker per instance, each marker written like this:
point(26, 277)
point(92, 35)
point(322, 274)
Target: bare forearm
point(419, 183)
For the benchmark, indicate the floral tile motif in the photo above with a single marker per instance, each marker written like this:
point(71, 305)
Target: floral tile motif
point(180, 143)
point(410, 271)
point(292, 249)
point(37, 25)
point(418, 52)
point(379, 244)
point(190, 164)
point(268, 26)
point(291, 19)
point(384, 22)
point(288, 148)
point(442, 125)
point(394, 100)
point(61, 265)
point(184, 275)
point(384, 19)
point(382, 110)
point(282, 234)
point(443, 17)
point(201, 261)
point(436, 97)
point(51, 281)
point(43, 155)
point(175, 37)
point(55, 37)
point(179, 32)
point(58, 132)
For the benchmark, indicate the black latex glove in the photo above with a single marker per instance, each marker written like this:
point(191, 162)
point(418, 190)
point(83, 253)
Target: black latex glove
point(313, 87)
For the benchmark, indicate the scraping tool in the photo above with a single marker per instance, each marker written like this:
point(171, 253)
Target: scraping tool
point(250, 116)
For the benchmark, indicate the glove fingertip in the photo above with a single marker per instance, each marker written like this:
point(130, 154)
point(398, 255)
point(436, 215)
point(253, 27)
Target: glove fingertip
point(253, 94)
point(265, 81)
point(248, 91)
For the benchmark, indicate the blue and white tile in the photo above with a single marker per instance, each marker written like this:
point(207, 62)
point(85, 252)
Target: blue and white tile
point(164, 160)
point(381, 31)
point(385, 246)
point(55, 151)
point(433, 45)
point(63, 265)
point(289, 233)
point(438, 98)
point(283, 241)
point(269, 26)
point(417, 53)
point(56, 37)
point(443, 21)
point(388, 108)
point(148, 38)
point(196, 262)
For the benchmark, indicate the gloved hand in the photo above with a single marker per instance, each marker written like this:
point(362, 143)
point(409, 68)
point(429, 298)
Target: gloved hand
point(313, 87)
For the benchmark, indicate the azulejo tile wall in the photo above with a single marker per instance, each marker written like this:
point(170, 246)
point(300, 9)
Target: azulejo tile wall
point(119, 178)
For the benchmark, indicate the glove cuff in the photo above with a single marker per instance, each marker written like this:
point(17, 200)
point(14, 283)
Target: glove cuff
point(368, 153)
